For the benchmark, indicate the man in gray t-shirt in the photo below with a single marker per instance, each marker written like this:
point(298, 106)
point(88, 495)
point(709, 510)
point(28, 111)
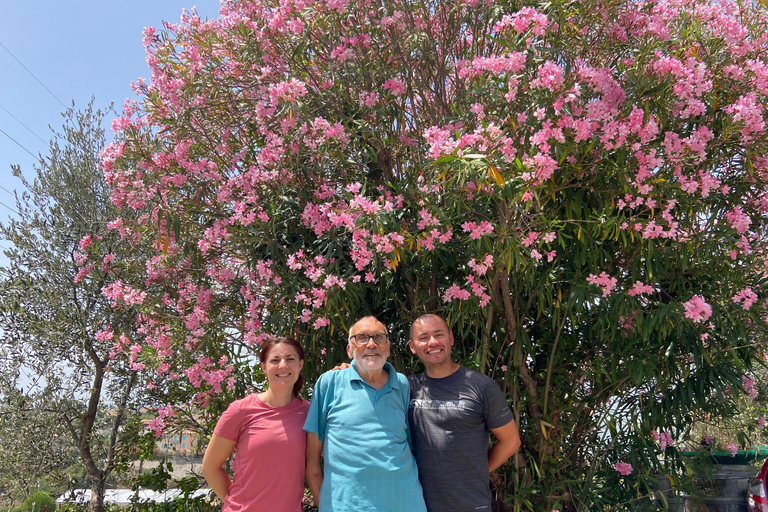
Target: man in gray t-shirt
point(451, 412)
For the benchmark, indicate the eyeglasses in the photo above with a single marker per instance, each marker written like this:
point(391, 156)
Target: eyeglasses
point(362, 339)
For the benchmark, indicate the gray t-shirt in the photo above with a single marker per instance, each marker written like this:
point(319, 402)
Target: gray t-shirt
point(450, 419)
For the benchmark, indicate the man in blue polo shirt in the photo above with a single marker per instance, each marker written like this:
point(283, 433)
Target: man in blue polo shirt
point(358, 423)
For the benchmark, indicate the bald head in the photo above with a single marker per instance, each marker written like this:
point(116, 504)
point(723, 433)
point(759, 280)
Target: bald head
point(366, 322)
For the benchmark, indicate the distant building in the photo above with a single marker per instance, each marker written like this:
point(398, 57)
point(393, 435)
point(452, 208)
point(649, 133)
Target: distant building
point(182, 442)
point(173, 441)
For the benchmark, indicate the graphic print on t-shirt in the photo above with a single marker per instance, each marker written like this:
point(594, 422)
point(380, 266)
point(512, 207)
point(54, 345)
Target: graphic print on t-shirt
point(438, 404)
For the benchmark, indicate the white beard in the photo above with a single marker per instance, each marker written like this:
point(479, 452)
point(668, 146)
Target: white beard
point(370, 363)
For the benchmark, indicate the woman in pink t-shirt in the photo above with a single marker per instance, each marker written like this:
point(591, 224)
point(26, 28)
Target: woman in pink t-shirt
point(265, 431)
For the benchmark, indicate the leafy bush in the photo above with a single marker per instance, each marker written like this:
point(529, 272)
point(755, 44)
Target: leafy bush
point(39, 501)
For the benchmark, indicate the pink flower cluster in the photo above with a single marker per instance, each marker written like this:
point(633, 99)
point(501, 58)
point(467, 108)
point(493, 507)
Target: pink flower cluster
point(120, 293)
point(475, 287)
point(604, 281)
point(639, 289)
point(121, 345)
point(85, 242)
point(476, 230)
point(481, 268)
point(627, 323)
point(530, 239)
point(368, 99)
point(455, 292)
point(214, 374)
point(523, 20)
point(550, 76)
point(83, 272)
point(697, 309)
point(748, 384)
point(104, 335)
point(440, 140)
point(748, 112)
point(133, 362)
point(395, 86)
point(513, 62)
point(106, 262)
point(624, 468)
point(664, 439)
point(158, 424)
point(738, 220)
point(288, 91)
point(80, 257)
point(435, 236)
point(747, 298)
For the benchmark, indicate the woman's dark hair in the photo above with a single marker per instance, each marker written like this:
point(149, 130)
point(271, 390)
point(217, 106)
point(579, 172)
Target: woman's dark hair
point(272, 343)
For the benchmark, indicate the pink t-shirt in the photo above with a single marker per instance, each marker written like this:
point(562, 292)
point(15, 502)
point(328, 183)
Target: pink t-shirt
point(269, 454)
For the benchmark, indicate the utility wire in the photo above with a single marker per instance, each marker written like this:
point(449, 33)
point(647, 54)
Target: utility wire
point(13, 210)
point(3, 188)
point(22, 124)
point(17, 142)
point(33, 75)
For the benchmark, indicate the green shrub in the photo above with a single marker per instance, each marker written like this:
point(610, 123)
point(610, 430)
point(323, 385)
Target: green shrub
point(39, 501)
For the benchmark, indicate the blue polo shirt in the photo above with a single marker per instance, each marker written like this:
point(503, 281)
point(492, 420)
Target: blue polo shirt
point(368, 464)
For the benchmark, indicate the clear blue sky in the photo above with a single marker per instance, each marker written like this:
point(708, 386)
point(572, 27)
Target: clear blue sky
point(77, 49)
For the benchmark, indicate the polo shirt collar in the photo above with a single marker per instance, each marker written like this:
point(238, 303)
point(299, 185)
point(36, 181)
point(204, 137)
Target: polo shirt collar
point(392, 381)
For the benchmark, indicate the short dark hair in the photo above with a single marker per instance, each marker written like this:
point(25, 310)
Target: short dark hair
point(272, 343)
point(424, 317)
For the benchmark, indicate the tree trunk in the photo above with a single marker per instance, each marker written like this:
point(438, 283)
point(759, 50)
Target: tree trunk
point(98, 486)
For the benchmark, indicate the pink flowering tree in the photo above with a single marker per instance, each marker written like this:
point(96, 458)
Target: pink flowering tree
point(581, 190)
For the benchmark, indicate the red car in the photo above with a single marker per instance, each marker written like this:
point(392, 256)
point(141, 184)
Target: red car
point(757, 493)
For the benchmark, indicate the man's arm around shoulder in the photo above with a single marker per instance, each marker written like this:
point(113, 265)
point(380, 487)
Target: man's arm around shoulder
point(507, 444)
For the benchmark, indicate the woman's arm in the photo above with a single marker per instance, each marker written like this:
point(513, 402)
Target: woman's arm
point(217, 453)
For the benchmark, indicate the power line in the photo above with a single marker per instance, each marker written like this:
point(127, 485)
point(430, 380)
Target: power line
point(3, 188)
point(17, 142)
point(22, 124)
point(33, 75)
point(14, 211)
